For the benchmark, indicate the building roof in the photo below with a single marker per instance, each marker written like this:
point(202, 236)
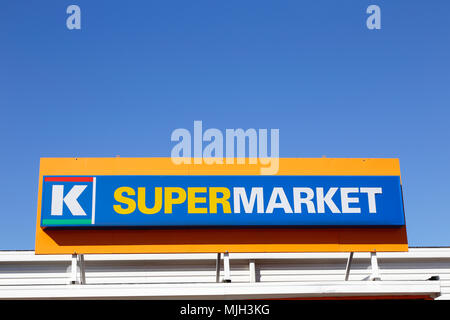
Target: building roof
point(419, 272)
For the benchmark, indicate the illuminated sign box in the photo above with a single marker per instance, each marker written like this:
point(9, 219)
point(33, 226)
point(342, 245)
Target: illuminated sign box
point(157, 201)
point(151, 205)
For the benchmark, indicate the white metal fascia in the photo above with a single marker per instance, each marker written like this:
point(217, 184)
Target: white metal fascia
point(223, 290)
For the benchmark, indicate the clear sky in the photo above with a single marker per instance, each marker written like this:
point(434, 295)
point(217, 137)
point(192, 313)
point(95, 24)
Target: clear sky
point(137, 70)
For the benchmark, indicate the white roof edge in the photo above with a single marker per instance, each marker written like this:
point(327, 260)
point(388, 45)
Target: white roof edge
point(225, 290)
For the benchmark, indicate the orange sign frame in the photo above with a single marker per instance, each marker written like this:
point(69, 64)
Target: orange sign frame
point(196, 240)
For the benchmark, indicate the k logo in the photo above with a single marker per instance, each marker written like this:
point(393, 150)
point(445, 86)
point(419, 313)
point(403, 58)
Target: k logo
point(68, 201)
point(58, 200)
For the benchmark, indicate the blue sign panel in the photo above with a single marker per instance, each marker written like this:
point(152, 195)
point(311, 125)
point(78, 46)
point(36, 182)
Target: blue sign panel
point(178, 201)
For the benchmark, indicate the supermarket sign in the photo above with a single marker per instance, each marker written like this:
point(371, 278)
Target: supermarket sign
point(148, 205)
point(155, 201)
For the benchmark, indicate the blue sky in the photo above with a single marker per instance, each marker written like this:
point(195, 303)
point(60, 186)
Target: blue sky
point(137, 70)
